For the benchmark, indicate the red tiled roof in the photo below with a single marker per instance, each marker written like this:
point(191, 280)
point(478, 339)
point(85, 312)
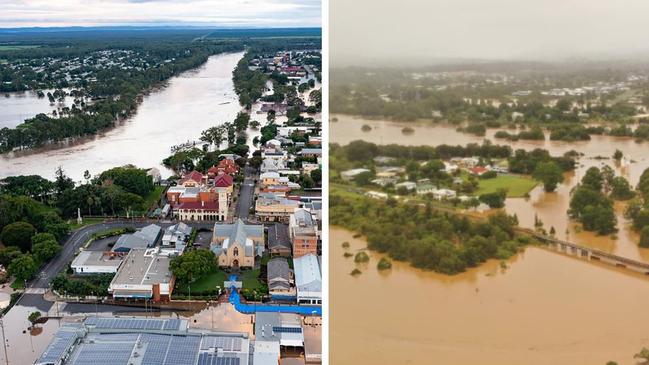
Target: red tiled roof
point(199, 205)
point(194, 175)
point(213, 170)
point(479, 170)
point(223, 181)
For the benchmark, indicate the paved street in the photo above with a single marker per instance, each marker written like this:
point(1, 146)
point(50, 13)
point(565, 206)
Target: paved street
point(246, 194)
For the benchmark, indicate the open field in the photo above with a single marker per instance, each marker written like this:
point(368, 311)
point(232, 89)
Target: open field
point(516, 186)
point(15, 47)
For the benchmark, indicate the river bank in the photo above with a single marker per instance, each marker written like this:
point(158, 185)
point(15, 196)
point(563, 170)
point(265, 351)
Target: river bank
point(190, 102)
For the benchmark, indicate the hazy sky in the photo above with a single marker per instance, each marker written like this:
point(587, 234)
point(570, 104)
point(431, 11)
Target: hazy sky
point(381, 30)
point(226, 13)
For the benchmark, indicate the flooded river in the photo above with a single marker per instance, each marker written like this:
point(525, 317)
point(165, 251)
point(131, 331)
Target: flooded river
point(170, 115)
point(544, 308)
point(550, 208)
point(15, 107)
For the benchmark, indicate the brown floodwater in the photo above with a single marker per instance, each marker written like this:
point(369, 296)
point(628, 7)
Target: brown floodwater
point(550, 208)
point(545, 308)
point(170, 115)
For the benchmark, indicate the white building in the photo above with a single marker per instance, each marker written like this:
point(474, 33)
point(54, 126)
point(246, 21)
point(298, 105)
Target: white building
point(308, 279)
point(95, 262)
point(351, 174)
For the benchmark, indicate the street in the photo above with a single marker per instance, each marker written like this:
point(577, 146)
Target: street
point(246, 194)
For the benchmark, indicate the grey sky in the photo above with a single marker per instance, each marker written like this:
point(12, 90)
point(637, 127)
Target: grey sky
point(387, 31)
point(225, 13)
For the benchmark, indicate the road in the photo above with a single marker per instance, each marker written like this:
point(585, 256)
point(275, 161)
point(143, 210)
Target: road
point(246, 193)
point(70, 247)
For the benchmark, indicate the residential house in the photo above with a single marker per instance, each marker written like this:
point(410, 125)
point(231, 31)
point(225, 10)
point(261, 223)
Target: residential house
point(279, 242)
point(351, 174)
point(280, 277)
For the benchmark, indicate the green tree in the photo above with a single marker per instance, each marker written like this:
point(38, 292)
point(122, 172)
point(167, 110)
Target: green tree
point(33, 317)
point(644, 237)
point(18, 234)
point(193, 265)
point(43, 251)
point(620, 189)
point(593, 179)
point(23, 267)
point(550, 174)
point(495, 199)
point(618, 155)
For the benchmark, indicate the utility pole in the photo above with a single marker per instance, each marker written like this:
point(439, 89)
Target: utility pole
point(4, 341)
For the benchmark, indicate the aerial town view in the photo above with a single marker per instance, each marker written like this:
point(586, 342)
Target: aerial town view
point(161, 191)
point(488, 186)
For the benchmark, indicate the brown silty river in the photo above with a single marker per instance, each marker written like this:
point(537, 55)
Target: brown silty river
point(551, 208)
point(545, 308)
point(171, 114)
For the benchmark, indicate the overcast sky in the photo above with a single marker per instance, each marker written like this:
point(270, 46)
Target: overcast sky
point(223, 13)
point(382, 30)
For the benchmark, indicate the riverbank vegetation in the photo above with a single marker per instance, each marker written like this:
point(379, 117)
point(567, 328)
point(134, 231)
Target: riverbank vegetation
point(427, 238)
point(591, 203)
point(107, 76)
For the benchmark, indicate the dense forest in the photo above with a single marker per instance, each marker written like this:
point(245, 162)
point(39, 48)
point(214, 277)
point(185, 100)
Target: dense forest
point(426, 238)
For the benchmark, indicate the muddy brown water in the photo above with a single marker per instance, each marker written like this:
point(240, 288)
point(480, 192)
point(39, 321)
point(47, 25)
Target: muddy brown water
point(551, 208)
point(173, 114)
point(544, 308)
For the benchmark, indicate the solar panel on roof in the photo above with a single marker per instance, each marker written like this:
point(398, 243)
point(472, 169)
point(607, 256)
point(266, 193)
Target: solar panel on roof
point(210, 359)
point(287, 329)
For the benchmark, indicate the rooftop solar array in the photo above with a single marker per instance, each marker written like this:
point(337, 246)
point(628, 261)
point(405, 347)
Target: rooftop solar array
point(143, 324)
point(61, 343)
point(287, 329)
point(225, 343)
point(107, 353)
point(122, 341)
point(210, 359)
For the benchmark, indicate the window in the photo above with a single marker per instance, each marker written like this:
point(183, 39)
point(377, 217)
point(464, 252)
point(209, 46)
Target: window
point(235, 252)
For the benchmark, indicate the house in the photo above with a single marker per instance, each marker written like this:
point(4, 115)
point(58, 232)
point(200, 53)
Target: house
point(144, 274)
point(408, 185)
point(384, 181)
point(441, 194)
point(279, 242)
point(225, 166)
point(376, 194)
point(272, 208)
point(279, 277)
point(450, 168)
point(303, 231)
point(423, 189)
point(351, 174)
point(237, 245)
point(144, 238)
point(192, 179)
point(272, 165)
point(310, 152)
point(308, 279)
point(178, 233)
point(95, 262)
point(478, 170)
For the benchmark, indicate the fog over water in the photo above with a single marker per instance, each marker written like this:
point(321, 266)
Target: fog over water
point(419, 32)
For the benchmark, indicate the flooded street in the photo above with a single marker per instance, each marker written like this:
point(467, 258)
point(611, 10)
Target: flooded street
point(550, 208)
point(173, 114)
point(545, 308)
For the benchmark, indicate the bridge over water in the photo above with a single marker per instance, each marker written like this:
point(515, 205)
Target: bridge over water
point(589, 253)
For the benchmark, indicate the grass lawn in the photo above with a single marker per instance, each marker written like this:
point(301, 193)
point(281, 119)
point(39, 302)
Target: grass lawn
point(250, 279)
point(153, 196)
point(207, 282)
point(517, 186)
point(86, 221)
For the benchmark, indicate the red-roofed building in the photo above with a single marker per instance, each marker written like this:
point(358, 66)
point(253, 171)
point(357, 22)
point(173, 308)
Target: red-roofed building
point(478, 170)
point(200, 211)
point(228, 167)
point(192, 179)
